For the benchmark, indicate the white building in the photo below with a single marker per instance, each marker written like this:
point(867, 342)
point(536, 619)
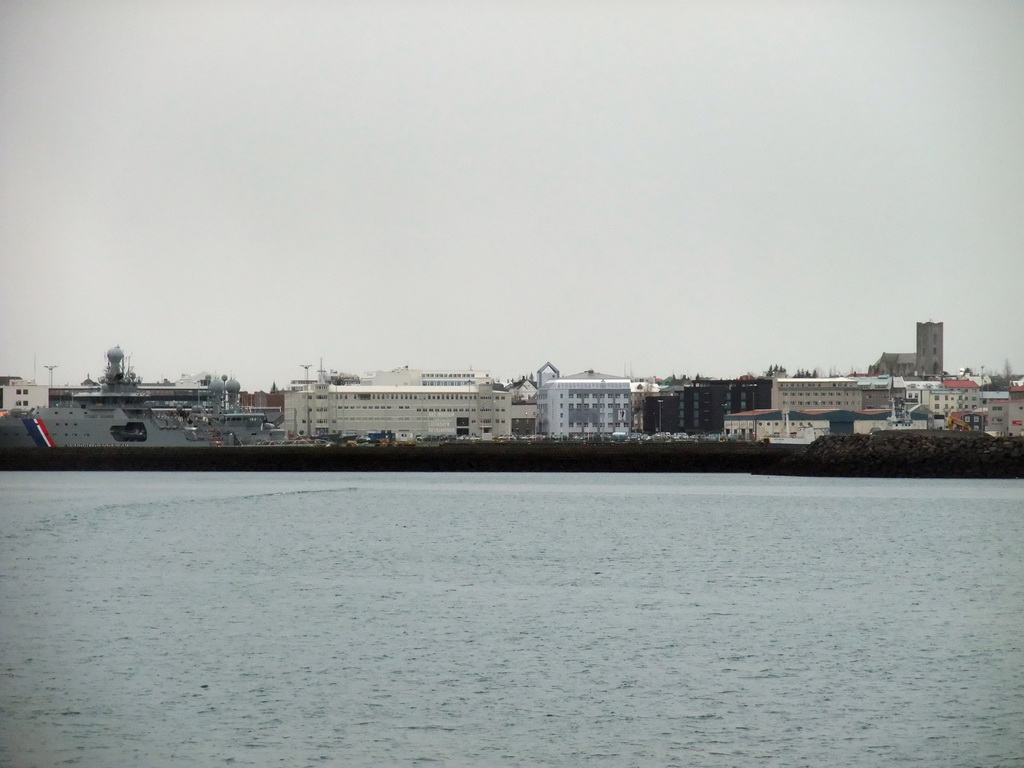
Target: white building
point(584, 405)
point(19, 394)
point(523, 390)
point(409, 377)
point(917, 391)
point(407, 403)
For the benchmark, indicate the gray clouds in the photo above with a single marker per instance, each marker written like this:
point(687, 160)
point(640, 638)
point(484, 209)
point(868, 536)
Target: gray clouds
point(668, 186)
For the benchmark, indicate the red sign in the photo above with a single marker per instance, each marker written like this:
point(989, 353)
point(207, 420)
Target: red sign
point(1018, 423)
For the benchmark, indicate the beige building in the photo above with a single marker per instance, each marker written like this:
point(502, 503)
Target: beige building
point(1006, 417)
point(951, 396)
point(407, 403)
point(803, 394)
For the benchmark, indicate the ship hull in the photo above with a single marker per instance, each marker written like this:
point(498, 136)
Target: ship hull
point(84, 427)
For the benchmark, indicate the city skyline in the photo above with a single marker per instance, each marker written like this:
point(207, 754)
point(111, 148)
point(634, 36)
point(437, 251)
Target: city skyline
point(312, 371)
point(650, 189)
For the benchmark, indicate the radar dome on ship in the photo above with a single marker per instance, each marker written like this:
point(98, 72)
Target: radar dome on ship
point(115, 355)
point(216, 385)
point(232, 386)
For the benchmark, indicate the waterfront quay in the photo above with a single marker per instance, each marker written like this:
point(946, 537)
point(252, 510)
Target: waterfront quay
point(448, 457)
point(881, 455)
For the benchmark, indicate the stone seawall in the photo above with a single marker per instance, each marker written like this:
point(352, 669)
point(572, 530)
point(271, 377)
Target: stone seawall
point(926, 455)
point(910, 454)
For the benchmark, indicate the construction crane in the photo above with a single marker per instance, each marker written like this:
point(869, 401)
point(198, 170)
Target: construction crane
point(958, 425)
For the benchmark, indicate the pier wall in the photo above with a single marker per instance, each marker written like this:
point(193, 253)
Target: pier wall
point(470, 457)
point(926, 455)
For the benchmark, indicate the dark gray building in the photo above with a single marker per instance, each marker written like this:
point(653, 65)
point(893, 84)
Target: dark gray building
point(700, 407)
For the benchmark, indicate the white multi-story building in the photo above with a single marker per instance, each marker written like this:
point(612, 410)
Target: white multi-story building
point(584, 405)
point(407, 403)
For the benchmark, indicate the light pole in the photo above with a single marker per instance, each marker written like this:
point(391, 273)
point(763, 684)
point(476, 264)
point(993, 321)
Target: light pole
point(49, 390)
point(305, 382)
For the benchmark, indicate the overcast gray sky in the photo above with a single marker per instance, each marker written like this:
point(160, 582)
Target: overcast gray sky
point(645, 187)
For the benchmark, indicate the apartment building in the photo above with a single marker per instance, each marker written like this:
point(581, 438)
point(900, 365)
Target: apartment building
point(951, 395)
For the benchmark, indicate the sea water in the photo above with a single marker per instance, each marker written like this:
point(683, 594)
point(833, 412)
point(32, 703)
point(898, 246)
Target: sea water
point(202, 619)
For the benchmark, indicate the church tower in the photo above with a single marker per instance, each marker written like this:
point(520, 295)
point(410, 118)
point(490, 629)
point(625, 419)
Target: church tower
point(929, 349)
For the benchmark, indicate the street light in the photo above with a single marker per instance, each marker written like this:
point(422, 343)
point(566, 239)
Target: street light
point(307, 366)
point(50, 369)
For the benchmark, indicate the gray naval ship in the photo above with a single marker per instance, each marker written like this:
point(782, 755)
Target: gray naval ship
point(121, 411)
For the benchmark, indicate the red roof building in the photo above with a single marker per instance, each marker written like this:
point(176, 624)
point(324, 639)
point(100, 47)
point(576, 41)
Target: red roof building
point(960, 384)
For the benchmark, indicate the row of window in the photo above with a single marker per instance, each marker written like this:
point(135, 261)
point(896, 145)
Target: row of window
point(419, 425)
point(433, 419)
point(837, 403)
point(373, 396)
point(409, 408)
point(591, 385)
point(405, 396)
point(819, 387)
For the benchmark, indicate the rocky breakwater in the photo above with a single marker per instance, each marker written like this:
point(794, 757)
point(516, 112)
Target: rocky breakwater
point(910, 454)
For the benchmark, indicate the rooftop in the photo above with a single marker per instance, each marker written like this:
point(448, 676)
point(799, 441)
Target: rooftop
point(960, 384)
